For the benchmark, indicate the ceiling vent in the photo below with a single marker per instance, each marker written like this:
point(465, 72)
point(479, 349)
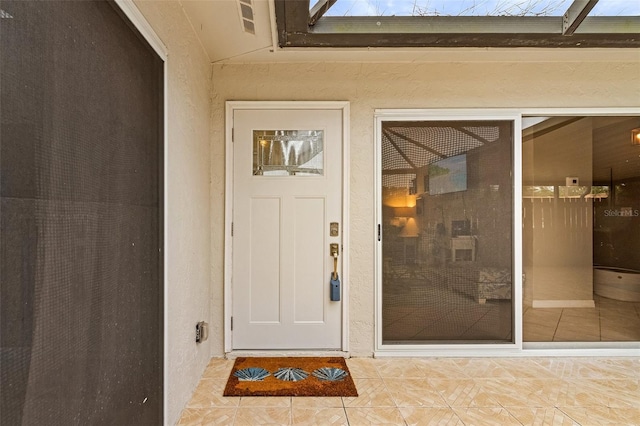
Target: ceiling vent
point(245, 8)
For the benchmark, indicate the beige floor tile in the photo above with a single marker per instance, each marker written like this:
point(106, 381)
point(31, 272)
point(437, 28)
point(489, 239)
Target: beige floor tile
point(621, 316)
point(619, 333)
point(265, 401)
point(541, 316)
point(541, 416)
point(463, 393)
point(569, 368)
point(413, 393)
point(374, 416)
point(577, 333)
point(537, 391)
point(527, 368)
point(362, 368)
point(580, 314)
point(209, 394)
point(316, 402)
point(613, 393)
point(482, 368)
point(589, 368)
point(577, 393)
point(610, 320)
point(439, 368)
point(396, 368)
point(520, 392)
point(421, 416)
point(319, 416)
point(218, 368)
point(371, 393)
point(594, 416)
point(486, 416)
point(538, 333)
point(248, 416)
point(624, 367)
point(554, 390)
point(207, 416)
point(599, 368)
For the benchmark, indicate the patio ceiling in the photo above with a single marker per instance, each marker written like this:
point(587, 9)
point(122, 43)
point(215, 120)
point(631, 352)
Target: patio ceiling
point(411, 145)
point(299, 25)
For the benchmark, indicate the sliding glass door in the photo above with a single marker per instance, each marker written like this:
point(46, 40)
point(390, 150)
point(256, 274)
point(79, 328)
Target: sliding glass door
point(446, 231)
point(581, 222)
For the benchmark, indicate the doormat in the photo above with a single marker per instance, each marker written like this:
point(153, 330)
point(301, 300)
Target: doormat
point(290, 376)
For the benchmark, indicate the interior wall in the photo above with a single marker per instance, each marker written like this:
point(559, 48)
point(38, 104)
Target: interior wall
point(188, 242)
point(559, 231)
point(396, 85)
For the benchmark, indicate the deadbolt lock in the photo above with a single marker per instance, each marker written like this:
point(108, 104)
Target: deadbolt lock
point(334, 229)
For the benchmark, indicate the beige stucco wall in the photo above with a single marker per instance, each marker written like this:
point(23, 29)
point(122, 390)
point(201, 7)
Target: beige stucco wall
point(196, 92)
point(401, 85)
point(188, 243)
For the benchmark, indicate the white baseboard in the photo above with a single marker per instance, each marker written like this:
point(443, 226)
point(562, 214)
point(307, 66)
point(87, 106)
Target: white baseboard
point(564, 304)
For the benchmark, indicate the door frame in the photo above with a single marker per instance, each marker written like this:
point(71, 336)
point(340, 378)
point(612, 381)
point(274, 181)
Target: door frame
point(518, 348)
point(453, 349)
point(230, 108)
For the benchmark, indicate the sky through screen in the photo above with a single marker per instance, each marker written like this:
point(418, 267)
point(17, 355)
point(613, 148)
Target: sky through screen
point(475, 8)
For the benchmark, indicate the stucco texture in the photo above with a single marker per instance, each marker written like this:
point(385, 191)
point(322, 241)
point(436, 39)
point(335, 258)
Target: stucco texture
point(188, 242)
point(368, 86)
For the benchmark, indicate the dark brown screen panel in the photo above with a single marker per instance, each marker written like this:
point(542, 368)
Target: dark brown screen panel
point(447, 197)
point(81, 113)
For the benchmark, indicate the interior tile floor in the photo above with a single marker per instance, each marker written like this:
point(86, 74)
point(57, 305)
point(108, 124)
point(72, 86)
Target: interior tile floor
point(610, 320)
point(413, 312)
point(442, 391)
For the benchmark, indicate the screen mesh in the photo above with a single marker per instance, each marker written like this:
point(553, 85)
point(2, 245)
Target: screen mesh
point(80, 216)
point(447, 231)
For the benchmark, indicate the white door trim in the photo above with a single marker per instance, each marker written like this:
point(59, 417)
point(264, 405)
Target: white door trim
point(231, 107)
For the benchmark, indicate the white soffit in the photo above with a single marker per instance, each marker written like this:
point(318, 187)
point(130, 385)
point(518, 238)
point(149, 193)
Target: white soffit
point(222, 30)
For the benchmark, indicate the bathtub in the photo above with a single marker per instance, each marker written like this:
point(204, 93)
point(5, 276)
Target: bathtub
point(616, 283)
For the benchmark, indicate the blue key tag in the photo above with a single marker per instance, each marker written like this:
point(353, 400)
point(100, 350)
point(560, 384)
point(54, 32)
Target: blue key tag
point(335, 288)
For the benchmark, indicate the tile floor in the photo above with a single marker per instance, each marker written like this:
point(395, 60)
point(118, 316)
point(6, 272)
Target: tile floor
point(610, 320)
point(415, 313)
point(443, 391)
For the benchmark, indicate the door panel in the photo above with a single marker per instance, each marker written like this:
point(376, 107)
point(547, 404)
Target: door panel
point(287, 188)
point(265, 268)
point(309, 283)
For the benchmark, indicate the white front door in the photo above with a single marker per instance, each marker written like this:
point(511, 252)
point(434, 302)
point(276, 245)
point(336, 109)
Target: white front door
point(287, 198)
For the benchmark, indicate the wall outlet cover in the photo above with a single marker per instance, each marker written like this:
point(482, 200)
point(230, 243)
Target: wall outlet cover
point(572, 181)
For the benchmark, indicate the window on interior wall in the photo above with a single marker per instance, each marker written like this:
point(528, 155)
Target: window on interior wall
point(447, 238)
point(581, 219)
